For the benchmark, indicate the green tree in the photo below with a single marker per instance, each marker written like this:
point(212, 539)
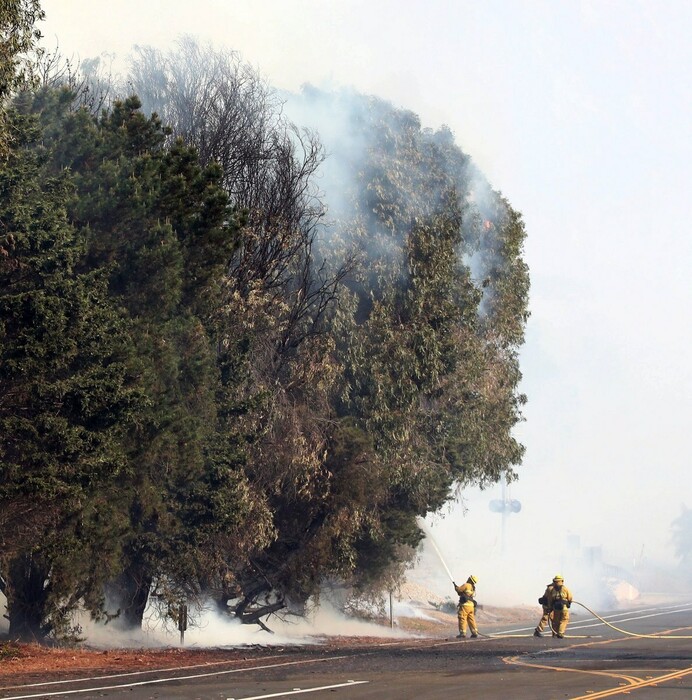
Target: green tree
point(18, 37)
point(428, 340)
point(153, 233)
point(163, 224)
point(68, 391)
point(276, 356)
point(403, 371)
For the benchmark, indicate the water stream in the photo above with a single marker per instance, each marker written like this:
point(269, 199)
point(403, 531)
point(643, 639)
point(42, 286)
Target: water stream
point(429, 537)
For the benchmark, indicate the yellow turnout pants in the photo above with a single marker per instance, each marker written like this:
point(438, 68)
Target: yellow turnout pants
point(560, 620)
point(544, 620)
point(467, 618)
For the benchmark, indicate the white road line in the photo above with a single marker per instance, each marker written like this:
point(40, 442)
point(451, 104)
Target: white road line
point(298, 691)
point(172, 680)
point(496, 635)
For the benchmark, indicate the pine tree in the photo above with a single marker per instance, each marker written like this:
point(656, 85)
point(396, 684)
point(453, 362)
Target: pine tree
point(67, 392)
point(162, 224)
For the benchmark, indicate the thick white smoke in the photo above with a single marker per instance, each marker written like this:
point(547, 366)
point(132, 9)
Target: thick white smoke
point(210, 628)
point(515, 560)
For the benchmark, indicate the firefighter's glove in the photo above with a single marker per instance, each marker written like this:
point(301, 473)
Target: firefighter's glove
point(474, 604)
point(542, 600)
point(569, 603)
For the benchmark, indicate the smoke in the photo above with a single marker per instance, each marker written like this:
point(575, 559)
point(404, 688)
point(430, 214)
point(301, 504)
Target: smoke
point(515, 560)
point(608, 395)
point(331, 116)
point(380, 159)
point(208, 628)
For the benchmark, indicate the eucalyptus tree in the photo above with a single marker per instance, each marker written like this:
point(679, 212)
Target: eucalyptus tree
point(419, 389)
point(280, 290)
point(428, 331)
point(19, 36)
point(417, 364)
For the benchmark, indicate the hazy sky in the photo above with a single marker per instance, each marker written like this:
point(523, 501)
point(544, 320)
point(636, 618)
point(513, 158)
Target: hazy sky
point(579, 113)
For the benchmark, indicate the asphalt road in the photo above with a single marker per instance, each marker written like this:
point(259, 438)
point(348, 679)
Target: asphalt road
point(593, 661)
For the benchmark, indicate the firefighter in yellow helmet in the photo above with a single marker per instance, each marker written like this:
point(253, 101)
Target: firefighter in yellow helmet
point(543, 600)
point(560, 600)
point(466, 610)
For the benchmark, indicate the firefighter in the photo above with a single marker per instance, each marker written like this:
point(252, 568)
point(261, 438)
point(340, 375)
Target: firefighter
point(466, 610)
point(543, 600)
point(560, 600)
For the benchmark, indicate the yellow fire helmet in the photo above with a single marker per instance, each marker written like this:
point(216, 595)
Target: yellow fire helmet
point(558, 579)
point(472, 579)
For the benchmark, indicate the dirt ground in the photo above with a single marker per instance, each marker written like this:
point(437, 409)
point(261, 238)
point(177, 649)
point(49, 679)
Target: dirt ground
point(24, 660)
point(21, 661)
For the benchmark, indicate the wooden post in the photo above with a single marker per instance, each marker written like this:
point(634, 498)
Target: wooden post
point(182, 621)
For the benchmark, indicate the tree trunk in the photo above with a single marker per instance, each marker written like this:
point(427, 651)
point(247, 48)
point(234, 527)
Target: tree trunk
point(27, 596)
point(129, 594)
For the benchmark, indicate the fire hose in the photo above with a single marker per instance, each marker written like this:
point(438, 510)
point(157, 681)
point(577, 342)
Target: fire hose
point(605, 622)
point(629, 634)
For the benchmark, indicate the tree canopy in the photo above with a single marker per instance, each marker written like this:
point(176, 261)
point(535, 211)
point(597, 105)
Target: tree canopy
point(221, 379)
